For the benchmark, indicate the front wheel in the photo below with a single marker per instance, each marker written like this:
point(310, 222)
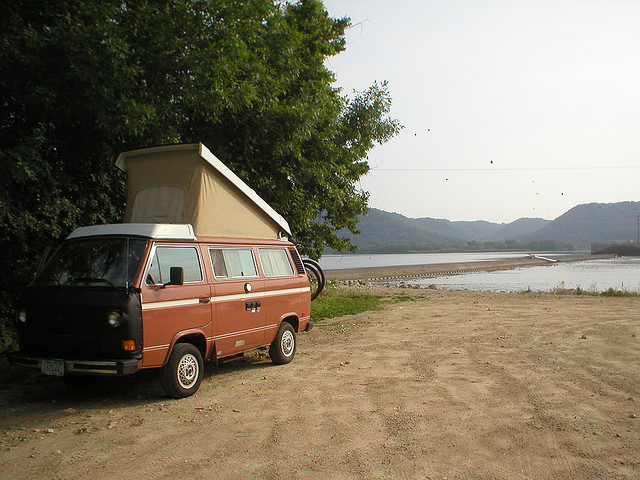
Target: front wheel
point(182, 374)
point(283, 347)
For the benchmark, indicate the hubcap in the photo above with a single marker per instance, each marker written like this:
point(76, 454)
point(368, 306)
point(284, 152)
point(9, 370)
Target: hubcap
point(287, 343)
point(188, 371)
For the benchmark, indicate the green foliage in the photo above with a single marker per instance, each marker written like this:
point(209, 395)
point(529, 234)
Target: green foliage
point(336, 302)
point(85, 79)
point(610, 292)
point(8, 340)
point(403, 298)
point(11, 374)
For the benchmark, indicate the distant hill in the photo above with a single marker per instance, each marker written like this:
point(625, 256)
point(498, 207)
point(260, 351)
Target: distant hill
point(582, 225)
point(380, 228)
point(479, 229)
point(443, 227)
point(389, 232)
point(592, 223)
point(520, 227)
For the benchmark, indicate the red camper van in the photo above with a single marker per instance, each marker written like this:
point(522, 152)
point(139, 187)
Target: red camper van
point(115, 299)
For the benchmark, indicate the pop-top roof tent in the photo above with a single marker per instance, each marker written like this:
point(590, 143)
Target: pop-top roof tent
point(188, 184)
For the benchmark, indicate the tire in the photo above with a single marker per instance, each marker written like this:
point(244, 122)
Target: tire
point(316, 277)
point(283, 347)
point(316, 265)
point(182, 374)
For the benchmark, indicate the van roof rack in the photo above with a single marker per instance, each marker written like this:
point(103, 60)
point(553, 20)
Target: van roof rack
point(160, 231)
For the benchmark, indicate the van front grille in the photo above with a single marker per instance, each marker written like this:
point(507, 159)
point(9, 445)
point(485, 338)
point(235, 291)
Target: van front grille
point(61, 345)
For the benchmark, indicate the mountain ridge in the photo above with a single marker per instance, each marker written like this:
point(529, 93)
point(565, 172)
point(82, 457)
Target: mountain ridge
point(392, 232)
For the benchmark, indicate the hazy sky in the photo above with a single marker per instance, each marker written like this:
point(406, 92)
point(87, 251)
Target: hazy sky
point(511, 108)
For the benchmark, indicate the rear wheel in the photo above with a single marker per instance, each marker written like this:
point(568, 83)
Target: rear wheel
point(316, 276)
point(283, 347)
point(182, 374)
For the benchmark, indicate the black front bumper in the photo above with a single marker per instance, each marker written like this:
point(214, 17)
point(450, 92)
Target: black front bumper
point(79, 366)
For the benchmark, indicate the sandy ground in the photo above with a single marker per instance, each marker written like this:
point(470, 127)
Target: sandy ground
point(448, 385)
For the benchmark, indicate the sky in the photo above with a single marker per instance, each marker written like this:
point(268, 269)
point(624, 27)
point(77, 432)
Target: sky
point(510, 108)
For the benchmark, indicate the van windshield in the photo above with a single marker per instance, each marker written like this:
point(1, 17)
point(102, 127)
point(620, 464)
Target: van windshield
point(94, 262)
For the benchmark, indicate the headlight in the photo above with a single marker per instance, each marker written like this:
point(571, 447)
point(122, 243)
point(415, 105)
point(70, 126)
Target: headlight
point(114, 319)
point(22, 316)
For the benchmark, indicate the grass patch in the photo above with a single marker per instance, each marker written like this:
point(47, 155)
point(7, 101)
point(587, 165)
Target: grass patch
point(336, 302)
point(574, 291)
point(401, 298)
point(610, 292)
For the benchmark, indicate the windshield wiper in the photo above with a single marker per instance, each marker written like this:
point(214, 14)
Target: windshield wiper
point(94, 279)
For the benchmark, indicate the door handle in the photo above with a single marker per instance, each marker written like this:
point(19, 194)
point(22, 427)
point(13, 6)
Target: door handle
point(204, 300)
point(252, 305)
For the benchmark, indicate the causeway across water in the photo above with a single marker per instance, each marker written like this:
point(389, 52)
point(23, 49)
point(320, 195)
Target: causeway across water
point(414, 271)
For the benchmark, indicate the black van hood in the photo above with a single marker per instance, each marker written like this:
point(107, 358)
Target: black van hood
point(67, 322)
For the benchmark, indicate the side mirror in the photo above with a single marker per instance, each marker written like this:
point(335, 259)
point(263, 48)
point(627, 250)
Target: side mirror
point(176, 276)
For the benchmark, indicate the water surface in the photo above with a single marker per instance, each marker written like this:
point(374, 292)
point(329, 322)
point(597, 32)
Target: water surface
point(593, 275)
point(341, 261)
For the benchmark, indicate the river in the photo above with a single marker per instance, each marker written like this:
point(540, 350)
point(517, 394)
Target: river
point(594, 275)
point(340, 261)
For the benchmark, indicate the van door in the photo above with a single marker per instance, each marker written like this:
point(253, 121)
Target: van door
point(237, 292)
point(287, 288)
point(170, 309)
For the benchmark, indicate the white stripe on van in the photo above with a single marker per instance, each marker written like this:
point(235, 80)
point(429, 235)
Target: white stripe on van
point(223, 298)
point(170, 303)
point(156, 347)
point(243, 332)
point(273, 293)
point(219, 337)
point(256, 295)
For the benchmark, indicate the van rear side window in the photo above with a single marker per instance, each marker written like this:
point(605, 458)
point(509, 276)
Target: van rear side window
point(275, 262)
point(233, 262)
point(167, 257)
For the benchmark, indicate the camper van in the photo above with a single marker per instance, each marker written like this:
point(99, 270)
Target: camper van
point(200, 271)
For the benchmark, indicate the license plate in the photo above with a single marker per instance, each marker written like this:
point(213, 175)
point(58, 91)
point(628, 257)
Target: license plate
point(53, 367)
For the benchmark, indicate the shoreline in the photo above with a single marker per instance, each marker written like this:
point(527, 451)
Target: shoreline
point(442, 269)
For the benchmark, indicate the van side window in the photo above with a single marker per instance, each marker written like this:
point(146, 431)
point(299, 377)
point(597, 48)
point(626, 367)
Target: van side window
point(166, 257)
point(275, 262)
point(233, 262)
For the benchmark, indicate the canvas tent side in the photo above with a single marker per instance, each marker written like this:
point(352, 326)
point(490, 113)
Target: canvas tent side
point(188, 184)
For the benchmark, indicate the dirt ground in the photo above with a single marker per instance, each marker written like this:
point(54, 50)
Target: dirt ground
point(451, 385)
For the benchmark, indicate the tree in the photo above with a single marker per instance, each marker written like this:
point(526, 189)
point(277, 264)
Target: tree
point(85, 79)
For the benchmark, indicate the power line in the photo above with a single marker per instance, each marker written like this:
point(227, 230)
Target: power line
point(498, 169)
